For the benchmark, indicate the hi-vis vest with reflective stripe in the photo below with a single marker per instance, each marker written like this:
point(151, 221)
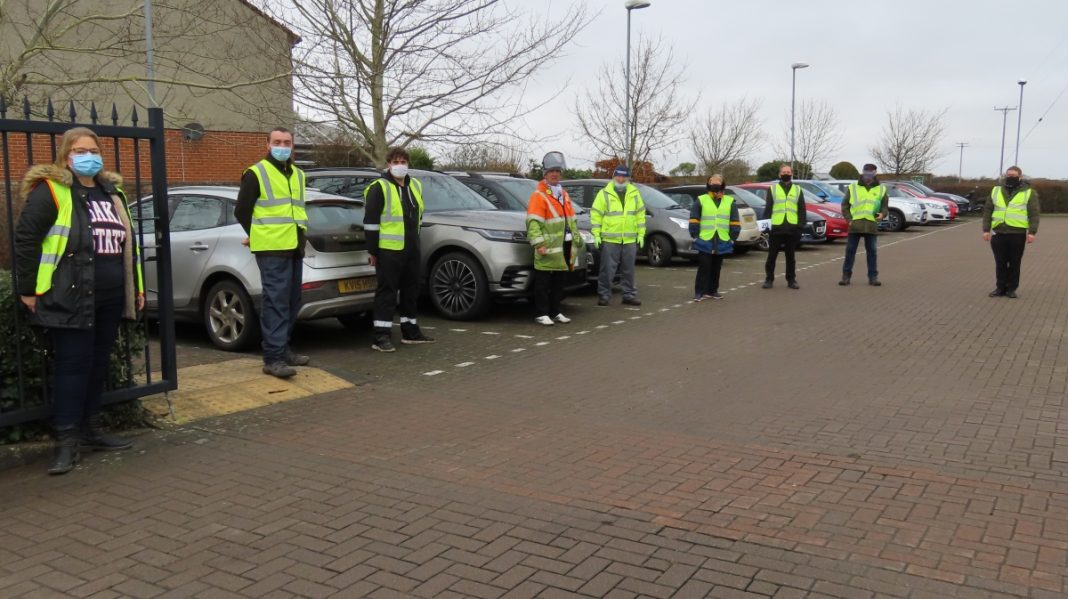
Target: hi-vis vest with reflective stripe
point(864, 203)
point(715, 221)
point(1014, 213)
point(391, 229)
point(279, 209)
point(784, 205)
point(615, 220)
point(55, 241)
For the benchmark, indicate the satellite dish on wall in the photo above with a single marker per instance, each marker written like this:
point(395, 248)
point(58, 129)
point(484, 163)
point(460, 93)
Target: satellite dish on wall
point(193, 131)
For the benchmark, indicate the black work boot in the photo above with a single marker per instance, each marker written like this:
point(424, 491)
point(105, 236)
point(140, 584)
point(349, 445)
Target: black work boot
point(93, 437)
point(66, 450)
point(845, 280)
point(411, 334)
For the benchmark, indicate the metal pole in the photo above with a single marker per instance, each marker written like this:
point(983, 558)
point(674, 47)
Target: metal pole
point(630, 144)
point(960, 168)
point(793, 98)
point(1004, 123)
point(150, 66)
point(1019, 123)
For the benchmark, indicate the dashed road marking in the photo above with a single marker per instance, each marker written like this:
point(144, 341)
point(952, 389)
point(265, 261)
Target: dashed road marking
point(562, 337)
point(582, 332)
point(524, 336)
point(458, 330)
point(490, 333)
point(433, 373)
point(541, 344)
point(465, 364)
point(492, 357)
point(618, 321)
point(602, 326)
point(519, 349)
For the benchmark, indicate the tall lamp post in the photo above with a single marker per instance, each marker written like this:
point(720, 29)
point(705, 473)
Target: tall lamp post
point(793, 102)
point(630, 5)
point(1019, 120)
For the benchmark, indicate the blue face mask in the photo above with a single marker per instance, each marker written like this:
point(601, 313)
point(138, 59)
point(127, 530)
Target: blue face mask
point(86, 165)
point(281, 153)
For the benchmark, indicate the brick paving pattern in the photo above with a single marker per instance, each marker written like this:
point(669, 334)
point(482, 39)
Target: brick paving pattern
point(902, 441)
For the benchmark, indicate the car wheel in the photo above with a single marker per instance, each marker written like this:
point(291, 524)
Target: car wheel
point(659, 250)
point(229, 318)
point(897, 221)
point(764, 243)
point(358, 321)
point(458, 287)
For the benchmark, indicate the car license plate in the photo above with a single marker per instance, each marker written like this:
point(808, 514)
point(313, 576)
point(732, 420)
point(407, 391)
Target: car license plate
point(356, 285)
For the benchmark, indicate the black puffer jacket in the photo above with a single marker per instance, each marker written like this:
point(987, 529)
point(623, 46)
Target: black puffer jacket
point(69, 303)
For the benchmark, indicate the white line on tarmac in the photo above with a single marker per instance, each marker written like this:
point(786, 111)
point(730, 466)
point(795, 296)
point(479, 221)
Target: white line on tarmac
point(525, 336)
point(518, 349)
point(433, 373)
point(582, 332)
point(465, 364)
point(541, 343)
point(602, 326)
point(490, 333)
point(562, 337)
point(492, 357)
point(458, 330)
point(618, 321)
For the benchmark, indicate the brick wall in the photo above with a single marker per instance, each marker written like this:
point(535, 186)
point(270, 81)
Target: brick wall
point(219, 157)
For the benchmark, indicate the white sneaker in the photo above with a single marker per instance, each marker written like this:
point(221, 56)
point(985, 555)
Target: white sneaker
point(560, 318)
point(545, 320)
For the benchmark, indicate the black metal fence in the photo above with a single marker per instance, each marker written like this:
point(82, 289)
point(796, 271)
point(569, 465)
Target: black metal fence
point(148, 366)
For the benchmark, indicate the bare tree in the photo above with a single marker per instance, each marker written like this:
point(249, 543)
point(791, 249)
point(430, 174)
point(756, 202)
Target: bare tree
point(439, 72)
point(816, 131)
point(496, 157)
point(657, 109)
point(726, 135)
point(911, 140)
point(82, 50)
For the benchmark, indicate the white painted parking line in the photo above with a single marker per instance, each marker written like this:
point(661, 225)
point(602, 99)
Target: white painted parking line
point(541, 343)
point(677, 306)
point(582, 332)
point(524, 336)
point(635, 317)
point(465, 364)
point(665, 309)
point(618, 321)
point(492, 357)
point(433, 373)
point(602, 326)
point(429, 328)
point(518, 349)
point(490, 333)
point(562, 337)
point(458, 330)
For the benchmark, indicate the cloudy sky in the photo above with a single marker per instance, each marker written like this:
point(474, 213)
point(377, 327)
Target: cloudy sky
point(866, 57)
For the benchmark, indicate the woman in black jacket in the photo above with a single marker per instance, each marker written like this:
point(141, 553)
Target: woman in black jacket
point(78, 275)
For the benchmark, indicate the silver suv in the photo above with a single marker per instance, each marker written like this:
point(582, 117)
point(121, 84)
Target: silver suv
point(472, 252)
point(215, 278)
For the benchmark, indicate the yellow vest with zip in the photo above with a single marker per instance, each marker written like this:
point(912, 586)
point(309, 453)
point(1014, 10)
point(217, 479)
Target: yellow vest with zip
point(55, 241)
point(279, 210)
point(1014, 213)
point(864, 203)
point(391, 227)
point(784, 204)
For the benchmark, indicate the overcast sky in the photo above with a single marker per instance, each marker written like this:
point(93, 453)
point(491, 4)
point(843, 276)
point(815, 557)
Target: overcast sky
point(865, 57)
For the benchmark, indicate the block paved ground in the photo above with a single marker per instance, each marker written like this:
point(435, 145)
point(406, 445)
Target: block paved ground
point(902, 441)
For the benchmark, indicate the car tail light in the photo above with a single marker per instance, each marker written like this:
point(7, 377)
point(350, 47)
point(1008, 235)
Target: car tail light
point(313, 285)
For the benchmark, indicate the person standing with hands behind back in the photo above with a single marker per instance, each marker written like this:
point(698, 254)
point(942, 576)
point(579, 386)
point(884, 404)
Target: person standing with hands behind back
point(786, 210)
point(714, 225)
point(553, 232)
point(1010, 222)
point(864, 205)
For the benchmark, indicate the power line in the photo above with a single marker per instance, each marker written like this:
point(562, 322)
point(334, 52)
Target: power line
point(1054, 103)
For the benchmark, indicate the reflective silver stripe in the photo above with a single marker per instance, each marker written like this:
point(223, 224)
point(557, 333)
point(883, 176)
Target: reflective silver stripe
point(536, 217)
point(271, 203)
point(537, 240)
point(392, 219)
point(52, 259)
point(391, 237)
point(615, 213)
point(274, 220)
point(301, 222)
point(555, 250)
point(383, 324)
point(265, 181)
point(371, 227)
point(613, 235)
point(596, 211)
point(59, 230)
point(549, 205)
point(555, 219)
point(405, 319)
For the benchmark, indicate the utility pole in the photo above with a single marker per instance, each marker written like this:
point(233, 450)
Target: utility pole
point(1019, 121)
point(1004, 110)
point(960, 169)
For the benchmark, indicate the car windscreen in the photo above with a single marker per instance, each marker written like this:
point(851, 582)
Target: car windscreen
point(442, 192)
point(749, 198)
point(336, 226)
point(520, 189)
point(654, 198)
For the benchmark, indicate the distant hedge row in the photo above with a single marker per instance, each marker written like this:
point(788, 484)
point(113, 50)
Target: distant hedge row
point(1052, 194)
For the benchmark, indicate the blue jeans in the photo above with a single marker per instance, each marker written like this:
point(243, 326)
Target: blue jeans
point(281, 279)
point(80, 361)
point(851, 253)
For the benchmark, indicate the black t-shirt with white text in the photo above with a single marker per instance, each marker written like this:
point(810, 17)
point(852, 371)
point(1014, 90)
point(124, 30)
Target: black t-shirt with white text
point(109, 238)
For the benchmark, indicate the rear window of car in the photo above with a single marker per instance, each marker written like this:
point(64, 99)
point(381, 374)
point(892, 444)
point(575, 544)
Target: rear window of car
point(336, 226)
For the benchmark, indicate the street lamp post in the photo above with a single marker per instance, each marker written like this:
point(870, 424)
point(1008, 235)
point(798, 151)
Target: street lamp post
point(1019, 121)
point(630, 5)
point(793, 101)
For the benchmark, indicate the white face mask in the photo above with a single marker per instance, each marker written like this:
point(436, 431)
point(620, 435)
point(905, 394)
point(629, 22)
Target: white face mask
point(399, 171)
point(558, 191)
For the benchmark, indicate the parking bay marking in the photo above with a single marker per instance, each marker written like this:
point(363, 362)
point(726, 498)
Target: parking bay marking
point(433, 373)
point(465, 364)
point(492, 357)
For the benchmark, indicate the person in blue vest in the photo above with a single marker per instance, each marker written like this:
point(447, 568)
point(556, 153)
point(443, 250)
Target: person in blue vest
point(864, 205)
point(78, 273)
point(1010, 222)
point(392, 216)
point(714, 225)
point(785, 207)
point(270, 207)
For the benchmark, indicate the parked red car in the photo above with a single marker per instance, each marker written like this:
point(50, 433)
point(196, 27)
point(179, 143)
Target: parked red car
point(837, 226)
point(908, 189)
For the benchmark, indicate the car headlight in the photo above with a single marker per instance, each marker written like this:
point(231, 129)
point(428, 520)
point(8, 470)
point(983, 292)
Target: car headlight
point(681, 222)
point(932, 205)
point(587, 237)
point(500, 235)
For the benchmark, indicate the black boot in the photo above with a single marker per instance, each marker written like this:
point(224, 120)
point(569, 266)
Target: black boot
point(411, 334)
point(93, 437)
point(66, 450)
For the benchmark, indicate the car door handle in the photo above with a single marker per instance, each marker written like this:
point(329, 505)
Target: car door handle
point(199, 247)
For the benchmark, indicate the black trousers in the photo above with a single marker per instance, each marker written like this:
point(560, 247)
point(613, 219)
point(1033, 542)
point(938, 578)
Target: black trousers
point(785, 241)
point(80, 360)
point(548, 291)
point(1008, 251)
point(708, 267)
point(397, 273)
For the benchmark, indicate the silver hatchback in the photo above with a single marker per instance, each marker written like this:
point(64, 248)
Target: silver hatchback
point(215, 278)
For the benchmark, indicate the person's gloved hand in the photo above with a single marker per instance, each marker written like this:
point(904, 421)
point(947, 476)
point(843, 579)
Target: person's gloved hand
point(641, 242)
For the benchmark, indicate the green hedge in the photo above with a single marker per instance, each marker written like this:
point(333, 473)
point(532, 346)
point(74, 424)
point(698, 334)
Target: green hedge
point(33, 344)
point(1053, 195)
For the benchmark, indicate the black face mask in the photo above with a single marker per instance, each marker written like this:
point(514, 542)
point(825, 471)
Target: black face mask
point(1012, 181)
point(714, 187)
point(786, 178)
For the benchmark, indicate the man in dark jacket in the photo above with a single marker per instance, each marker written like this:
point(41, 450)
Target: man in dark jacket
point(785, 207)
point(1010, 222)
point(864, 205)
